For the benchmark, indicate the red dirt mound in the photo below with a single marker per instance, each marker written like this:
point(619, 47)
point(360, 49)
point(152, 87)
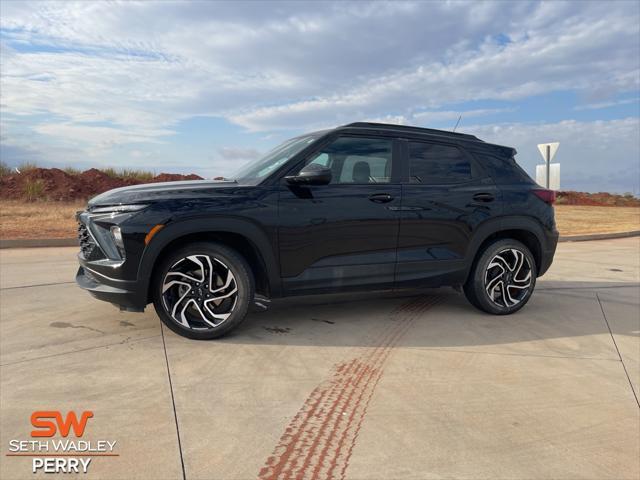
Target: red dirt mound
point(174, 177)
point(96, 181)
point(601, 199)
point(57, 185)
point(52, 183)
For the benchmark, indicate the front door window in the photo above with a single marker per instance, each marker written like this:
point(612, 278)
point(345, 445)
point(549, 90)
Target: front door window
point(357, 160)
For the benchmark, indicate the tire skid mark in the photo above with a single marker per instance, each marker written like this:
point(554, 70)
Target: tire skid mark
point(360, 419)
point(318, 442)
point(363, 372)
point(316, 410)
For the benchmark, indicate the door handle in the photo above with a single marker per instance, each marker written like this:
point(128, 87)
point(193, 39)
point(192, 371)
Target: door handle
point(483, 197)
point(380, 197)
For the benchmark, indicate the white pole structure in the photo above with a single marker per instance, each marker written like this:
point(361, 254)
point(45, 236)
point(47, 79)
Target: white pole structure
point(548, 165)
point(548, 151)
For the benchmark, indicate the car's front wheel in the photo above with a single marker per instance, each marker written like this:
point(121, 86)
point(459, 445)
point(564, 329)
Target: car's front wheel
point(502, 278)
point(202, 290)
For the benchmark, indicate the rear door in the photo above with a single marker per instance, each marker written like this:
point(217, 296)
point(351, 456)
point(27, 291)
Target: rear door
point(343, 235)
point(445, 197)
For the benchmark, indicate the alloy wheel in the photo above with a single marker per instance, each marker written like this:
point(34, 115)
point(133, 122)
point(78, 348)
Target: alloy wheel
point(507, 279)
point(199, 292)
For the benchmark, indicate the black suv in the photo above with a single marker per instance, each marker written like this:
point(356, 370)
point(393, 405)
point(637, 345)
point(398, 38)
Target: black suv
point(363, 206)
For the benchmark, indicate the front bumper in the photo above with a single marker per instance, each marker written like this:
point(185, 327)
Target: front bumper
point(105, 271)
point(119, 292)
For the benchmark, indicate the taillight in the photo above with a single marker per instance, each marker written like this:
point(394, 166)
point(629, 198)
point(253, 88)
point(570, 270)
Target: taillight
point(547, 196)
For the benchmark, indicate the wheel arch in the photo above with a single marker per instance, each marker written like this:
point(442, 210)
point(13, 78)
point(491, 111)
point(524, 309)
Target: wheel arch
point(526, 230)
point(246, 238)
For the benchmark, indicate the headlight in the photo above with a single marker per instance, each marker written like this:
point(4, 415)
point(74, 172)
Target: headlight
point(107, 240)
point(116, 233)
point(119, 208)
point(117, 237)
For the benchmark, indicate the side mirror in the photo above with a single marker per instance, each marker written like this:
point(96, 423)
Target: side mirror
point(312, 174)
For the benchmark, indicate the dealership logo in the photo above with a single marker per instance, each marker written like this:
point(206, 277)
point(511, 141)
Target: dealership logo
point(40, 420)
point(68, 454)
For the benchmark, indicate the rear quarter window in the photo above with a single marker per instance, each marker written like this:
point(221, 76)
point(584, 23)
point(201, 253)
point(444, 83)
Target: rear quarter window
point(503, 170)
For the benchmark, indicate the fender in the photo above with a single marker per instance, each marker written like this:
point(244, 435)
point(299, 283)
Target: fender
point(175, 230)
point(498, 224)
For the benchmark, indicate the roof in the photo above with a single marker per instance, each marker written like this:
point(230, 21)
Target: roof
point(407, 128)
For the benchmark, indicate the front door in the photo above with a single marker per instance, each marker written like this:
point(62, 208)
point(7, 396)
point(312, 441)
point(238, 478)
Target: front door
point(342, 235)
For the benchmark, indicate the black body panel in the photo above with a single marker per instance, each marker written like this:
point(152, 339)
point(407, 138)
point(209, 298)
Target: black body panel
point(436, 228)
point(389, 233)
point(335, 236)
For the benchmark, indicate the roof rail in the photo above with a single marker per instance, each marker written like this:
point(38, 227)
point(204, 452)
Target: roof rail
point(432, 131)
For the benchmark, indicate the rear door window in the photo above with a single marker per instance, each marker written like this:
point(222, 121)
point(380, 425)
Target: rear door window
point(434, 164)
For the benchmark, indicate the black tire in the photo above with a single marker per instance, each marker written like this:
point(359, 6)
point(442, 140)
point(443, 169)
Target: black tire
point(202, 325)
point(483, 277)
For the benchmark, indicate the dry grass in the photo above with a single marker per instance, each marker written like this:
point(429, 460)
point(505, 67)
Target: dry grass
point(38, 219)
point(579, 220)
point(57, 219)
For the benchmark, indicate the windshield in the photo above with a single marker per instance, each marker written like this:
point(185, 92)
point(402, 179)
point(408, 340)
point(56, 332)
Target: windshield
point(256, 171)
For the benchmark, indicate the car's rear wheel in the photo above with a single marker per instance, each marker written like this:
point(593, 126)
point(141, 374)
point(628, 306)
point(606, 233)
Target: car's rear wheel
point(203, 290)
point(502, 278)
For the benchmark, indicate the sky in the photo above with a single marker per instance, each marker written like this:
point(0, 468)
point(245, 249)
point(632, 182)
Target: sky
point(206, 86)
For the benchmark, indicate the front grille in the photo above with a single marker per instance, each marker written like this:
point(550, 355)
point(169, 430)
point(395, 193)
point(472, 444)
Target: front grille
point(89, 249)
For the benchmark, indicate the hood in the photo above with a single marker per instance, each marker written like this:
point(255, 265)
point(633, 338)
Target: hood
point(153, 192)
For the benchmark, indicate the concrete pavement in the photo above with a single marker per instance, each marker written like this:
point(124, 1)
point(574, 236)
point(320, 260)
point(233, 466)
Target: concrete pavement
point(384, 386)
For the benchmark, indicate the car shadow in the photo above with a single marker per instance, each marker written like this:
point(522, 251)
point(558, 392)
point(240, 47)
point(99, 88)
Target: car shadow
point(557, 310)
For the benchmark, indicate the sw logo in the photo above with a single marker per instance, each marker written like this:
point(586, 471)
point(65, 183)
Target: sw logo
point(47, 428)
point(67, 453)
point(49, 422)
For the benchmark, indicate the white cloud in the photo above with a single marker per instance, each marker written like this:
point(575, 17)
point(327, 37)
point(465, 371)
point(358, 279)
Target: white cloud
point(83, 75)
point(599, 105)
point(444, 115)
point(239, 153)
point(100, 137)
point(574, 57)
point(295, 65)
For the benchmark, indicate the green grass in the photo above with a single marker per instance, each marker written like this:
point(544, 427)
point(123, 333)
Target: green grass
point(23, 167)
point(33, 190)
point(26, 166)
point(110, 172)
point(4, 169)
point(142, 175)
point(72, 170)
